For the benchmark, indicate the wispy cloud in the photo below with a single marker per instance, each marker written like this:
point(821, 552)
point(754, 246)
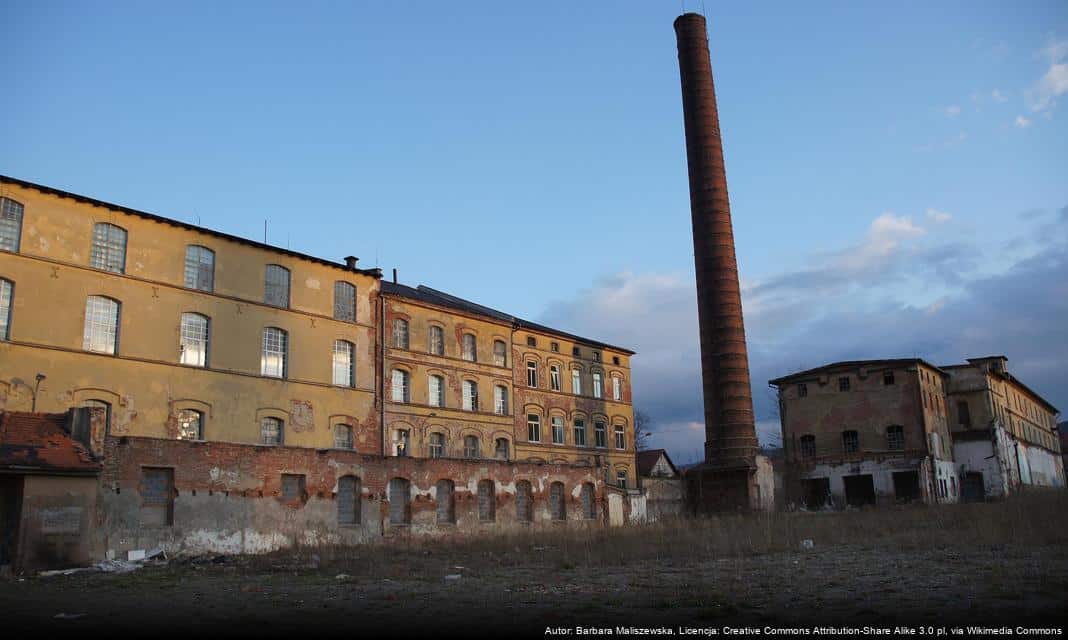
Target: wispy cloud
point(1054, 82)
point(997, 96)
point(939, 217)
point(1022, 122)
point(952, 111)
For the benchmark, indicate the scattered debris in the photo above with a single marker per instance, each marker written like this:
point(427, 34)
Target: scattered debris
point(342, 576)
point(453, 577)
point(807, 543)
point(69, 616)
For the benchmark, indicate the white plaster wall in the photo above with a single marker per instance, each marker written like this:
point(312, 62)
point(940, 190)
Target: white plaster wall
point(1046, 468)
point(882, 473)
point(978, 455)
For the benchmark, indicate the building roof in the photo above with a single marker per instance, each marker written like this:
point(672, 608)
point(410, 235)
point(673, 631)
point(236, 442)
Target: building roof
point(853, 364)
point(374, 272)
point(647, 460)
point(433, 296)
point(975, 362)
point(39, 443)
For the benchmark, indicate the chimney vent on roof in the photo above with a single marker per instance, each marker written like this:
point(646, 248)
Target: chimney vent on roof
point(350, 261)
point(394, 276)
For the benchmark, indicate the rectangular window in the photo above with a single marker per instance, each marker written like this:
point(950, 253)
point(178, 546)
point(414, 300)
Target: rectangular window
point(292, 486)
point(437, 391)
point(10, 224)
point(575, 351)
point(199, 268)
point(533, 428)
point(808, 446)
point(843, 383)
point(344, 365)
point(621, 437)
point(598, 390)
point(470, 352)
point(554, 347)
point(850, 441)
point(342, 436)
point(101, 325)
point(276, 286)
point(472, 447)
point(500, 400)
point(190, 425)
point(271, 431)
point(500, 353)
point(596, 356)
point(558, 430)
point(157, 497)
point(554, 378)
point(895, 437)
point(802, 390)
point(617, 388)
point(400, 333)
point(532, 373)
point(470, 396)
point(401, 442)
point(436, 338)
point(6, 291)
point(576, 382)
point(532, 341)
point(888, 378)
point(437, 445)
point(109, 248)
point(400, 386)
point(273, 359)
point(194, 340)
point(621, 479)
point(580, 432)
point(344, 301)
point(600, 434)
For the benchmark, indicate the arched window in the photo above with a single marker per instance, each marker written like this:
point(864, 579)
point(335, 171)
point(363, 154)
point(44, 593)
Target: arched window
point(557, 504)
point(437, 445)
point(472, 447)
point(437, 391)
point(532, 373)
point(470, 351)
point(271, 430)
point(533, 427)
point(589, 501)
point(808, 446)
point(895, 437)
point(344, 301)
point(850, 441)
point(487, 501)
point(7, 290)
point(343, 436)
point(500, 448)
point(190, 425)
point(557, 423)
point(199, 268)
point(10, 224)
point(401, 391)
point(436, 340)
point(617, 388)
point(276, 286)
point(524, 501)
point(554, 377)
point(195, 332)
point(344, 365)
point(445, 497)
point(109, 248)
point(470, 395)
point(500, 353)
point(580, 432)
point(349, 501)
point(399, 501)
point(500, 400)
point(621, 437)
point(101, 325)
point(274, 359)
point(106, 406)
point(400, 333)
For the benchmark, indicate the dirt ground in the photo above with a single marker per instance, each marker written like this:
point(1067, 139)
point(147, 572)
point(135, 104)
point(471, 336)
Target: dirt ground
point(522, 591)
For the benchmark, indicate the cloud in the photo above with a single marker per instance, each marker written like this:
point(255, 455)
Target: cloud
point(997, 96)
point(938, 217)
point(846, 304)
point(1022, 122)
point(952, 111)
point(1054, 82)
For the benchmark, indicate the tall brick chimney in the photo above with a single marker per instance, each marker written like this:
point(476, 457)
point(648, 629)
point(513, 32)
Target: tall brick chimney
point(730, 431)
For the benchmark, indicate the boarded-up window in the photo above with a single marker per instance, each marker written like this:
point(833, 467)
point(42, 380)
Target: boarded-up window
point(348, 500)
point(589, 503)
point(487, 501)
point(399, 501)
point(446, 501)
point(557, 504)
point(292, 486)
point(524, 502)
point(157, 497)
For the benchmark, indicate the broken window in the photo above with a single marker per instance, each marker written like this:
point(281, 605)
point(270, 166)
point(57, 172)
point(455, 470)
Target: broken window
point(487, 501)
point(401, 392)
point(157, 497)
point(10, 224)
point(348, 500)
point(401, 442)
point(271, 431)
point(843, 383)
point(470, 349)
point(554, 378)
point(400, 333)
point(342, 436)
point(472, 447)
point(199, 268)
point(500, 353)
point(501, 448)
point(437, 445)
point(437, 391)
point(344, 301)
point(524, 501)
point(895, 437)
point(344, 363)
point(532, 373)
point(558, 429)
point(888, 378)
point(190, 425)
point(470, 395)
point(106, 406)
point(500, 400)
point(399, 501)
point(276, 286)
point(446, 502)
point(554, 347)
point(533, 427)
point(580, 432)
point(101, 325)
point(600, 434)
point(273, 361)
point(808, 446)
point(589, 501)
point(621, 479)
point(109, 248)
point(194, 333)
point(850, 441)
point(292, 486)
point(436, 339)
point(557, 504)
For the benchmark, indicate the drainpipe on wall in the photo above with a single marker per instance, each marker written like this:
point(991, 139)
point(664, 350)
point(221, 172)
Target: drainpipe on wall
point(381, 368)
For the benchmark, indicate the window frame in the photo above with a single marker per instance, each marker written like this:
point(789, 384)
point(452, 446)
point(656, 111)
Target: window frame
point(533, 427)
point(406, 386)
point(349, 349)
point(103, 250)
point(13, 222)
point(195, 268)
point(500, 399)
point(7, 304)
point(554, 422)
point(470, 395)
point(436, 387)
point(185, 337)
point(401, 334)
point(554, 377)
point(200, 424)
point(348, 442)
point(850, 441)
point(619, 434)
point(281, 429)
point(469, 347)
point(600, 434)
point(532, 374)
point(435, 337)
point(578, 427)
point(271, 289)
point(90, 325)
point(281, 353)
point(342, 288)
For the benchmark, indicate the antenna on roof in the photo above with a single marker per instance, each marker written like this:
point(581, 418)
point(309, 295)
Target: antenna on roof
point(265, 231)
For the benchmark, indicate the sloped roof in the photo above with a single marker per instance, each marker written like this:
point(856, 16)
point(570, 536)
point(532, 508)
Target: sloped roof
point(648, 459)
point(39, 443)
point(853, 364)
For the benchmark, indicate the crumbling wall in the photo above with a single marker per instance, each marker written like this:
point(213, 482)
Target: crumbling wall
point(56, 521)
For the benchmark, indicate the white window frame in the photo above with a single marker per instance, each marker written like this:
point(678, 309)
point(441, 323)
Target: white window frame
point(400, 333)
point(400, 386)
point(436, 390)
point(108, 249)
point(199, 268)
point(554, 377)
point(103, 317)
point(500, 356)
point(598, 385)
point(469, 347)
point(195, 339)
point(620, 433)
point(617, 388)
point(344, 364)
point(557, 423)
point(7, 299)
point(579, 428)
point(500, 400)
point(533, 427)
point(532, 374)
point(470, 388)
point(576, 382)
point(436, 340)
point(11, 214)
point(600, 434)
point(274, 354)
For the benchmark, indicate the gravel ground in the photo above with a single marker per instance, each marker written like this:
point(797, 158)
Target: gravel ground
point(483, 595)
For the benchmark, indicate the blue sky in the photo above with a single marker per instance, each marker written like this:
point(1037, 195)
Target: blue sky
point(897, 173)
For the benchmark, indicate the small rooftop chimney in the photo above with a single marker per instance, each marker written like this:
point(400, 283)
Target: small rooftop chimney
point(394, 275)
point(350, 261)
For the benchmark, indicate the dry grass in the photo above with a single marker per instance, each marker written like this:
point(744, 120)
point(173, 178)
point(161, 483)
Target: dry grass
point(1034, 519)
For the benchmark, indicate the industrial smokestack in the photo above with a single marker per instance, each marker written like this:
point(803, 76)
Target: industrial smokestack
point(730, 430)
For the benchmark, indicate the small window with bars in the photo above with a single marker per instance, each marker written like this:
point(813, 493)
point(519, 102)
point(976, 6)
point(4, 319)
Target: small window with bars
point(271, 430)
point(808, 446)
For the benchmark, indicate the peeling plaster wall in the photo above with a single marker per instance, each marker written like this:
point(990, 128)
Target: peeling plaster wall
point(882, 473)
point(58, 513)
point(228, 496)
